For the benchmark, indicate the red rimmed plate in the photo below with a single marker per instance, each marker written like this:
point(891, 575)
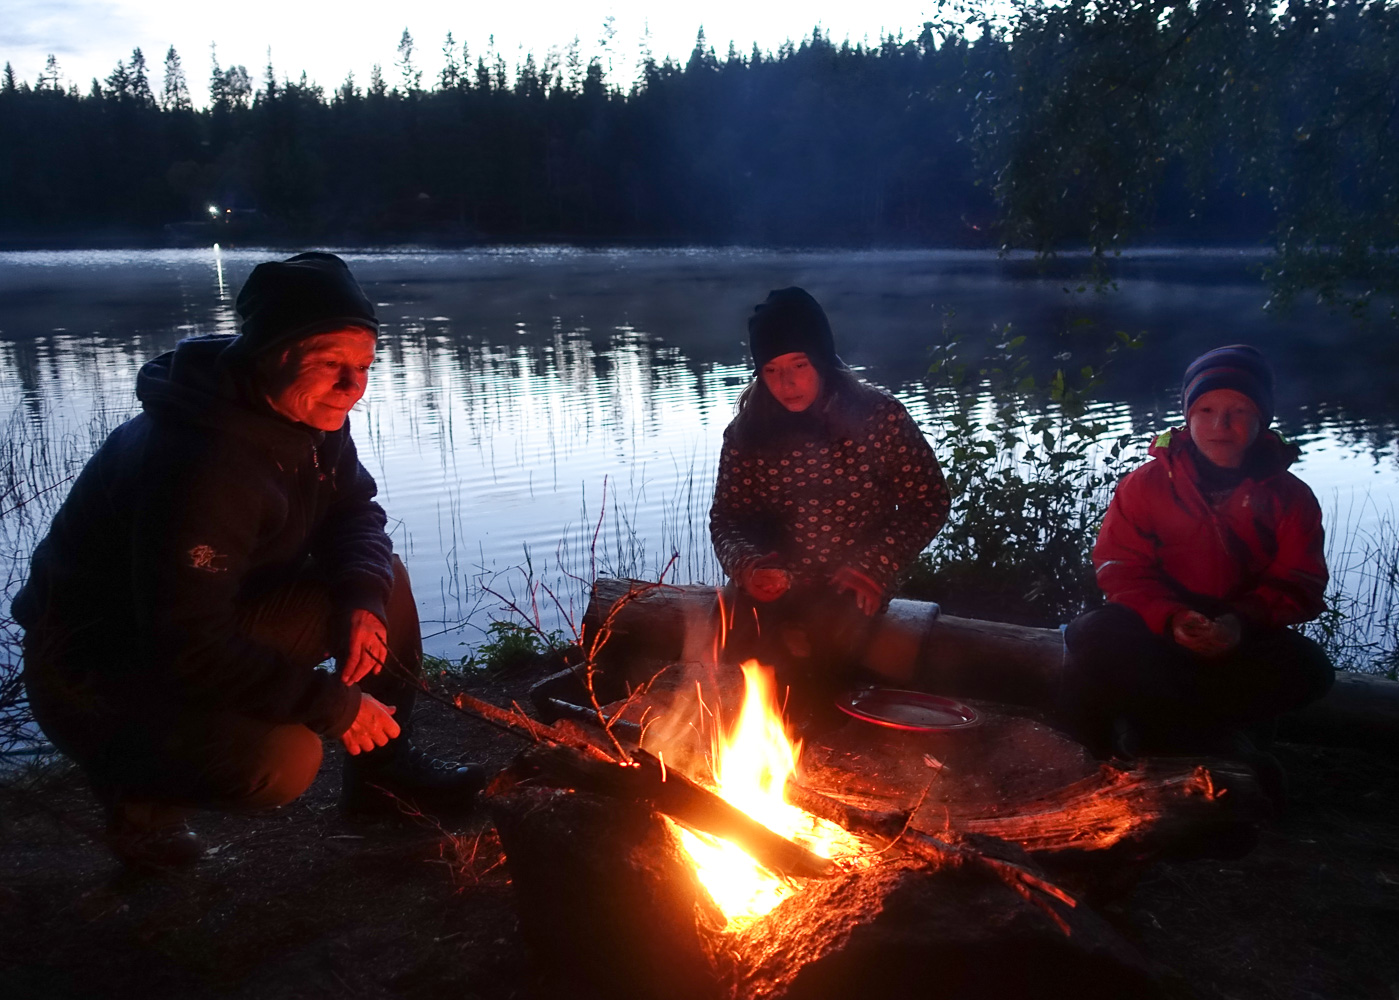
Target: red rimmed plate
point(911, 711)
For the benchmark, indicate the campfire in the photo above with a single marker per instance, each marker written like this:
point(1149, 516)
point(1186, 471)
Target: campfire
point(657, 849)
point(751, 765)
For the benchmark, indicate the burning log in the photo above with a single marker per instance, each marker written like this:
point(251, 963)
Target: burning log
point(574, 763)
point(646, 779)
point(918, 646)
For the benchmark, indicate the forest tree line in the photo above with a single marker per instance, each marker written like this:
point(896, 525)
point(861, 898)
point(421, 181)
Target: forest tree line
point(1096, 122)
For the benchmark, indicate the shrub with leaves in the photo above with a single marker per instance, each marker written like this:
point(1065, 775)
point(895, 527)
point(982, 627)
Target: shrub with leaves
point(511, 646)
point(1030, 473)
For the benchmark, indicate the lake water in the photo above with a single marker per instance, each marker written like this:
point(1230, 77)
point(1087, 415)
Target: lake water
point(525, 397)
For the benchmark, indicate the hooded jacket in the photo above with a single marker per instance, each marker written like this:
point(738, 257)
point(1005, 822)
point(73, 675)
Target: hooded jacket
point(186, 511)
point(1259, 552)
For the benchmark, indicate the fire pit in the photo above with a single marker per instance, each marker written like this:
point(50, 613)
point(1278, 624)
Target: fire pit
point(720, 858)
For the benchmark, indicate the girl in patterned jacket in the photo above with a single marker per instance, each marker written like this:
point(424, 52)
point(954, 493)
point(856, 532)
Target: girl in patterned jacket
point(827, 491)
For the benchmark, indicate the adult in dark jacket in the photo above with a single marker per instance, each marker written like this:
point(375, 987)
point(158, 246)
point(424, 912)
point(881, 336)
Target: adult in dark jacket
point(826, 492)
point(1208, 554)
point(216, 549)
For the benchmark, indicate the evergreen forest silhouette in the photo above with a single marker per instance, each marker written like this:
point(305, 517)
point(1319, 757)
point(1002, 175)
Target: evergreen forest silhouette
point(1092, 123)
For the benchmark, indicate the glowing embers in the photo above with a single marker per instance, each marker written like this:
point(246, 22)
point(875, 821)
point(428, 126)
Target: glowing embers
point(751, 764)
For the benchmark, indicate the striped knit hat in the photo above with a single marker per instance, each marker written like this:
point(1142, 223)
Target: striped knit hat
point(1238, 367)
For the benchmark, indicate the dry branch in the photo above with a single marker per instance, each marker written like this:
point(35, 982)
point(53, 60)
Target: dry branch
point(1031, 887)
point(1146, 811)
point(517, 723)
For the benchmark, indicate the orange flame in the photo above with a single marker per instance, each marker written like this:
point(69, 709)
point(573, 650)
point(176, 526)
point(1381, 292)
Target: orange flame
point(751, 765)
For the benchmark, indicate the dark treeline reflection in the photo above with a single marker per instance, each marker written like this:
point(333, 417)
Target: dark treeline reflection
point(1089, 123)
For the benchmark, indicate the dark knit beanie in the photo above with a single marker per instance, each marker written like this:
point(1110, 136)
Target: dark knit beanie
point(791, 321)
point(1238, 367)
point(289, 300)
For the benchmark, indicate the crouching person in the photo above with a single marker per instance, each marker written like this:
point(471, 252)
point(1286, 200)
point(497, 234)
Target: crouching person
point(1207, 555)
point(216, 549)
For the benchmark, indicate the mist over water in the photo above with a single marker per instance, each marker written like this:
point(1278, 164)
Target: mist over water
point(525, 397)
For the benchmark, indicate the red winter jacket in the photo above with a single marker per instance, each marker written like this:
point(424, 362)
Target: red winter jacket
point(1260, 552)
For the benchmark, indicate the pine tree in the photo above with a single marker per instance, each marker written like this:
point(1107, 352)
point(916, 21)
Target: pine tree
point(269, 79)
point(175, 95)
point(239, 85)
point(377, 86)
point(549, 72)
point(703, 55)
point(48, 79)
point(140, 88)
point(609, 32)
point(348, 91)
point(451, 69)
point(119, 82)
point(527, 78)
point(8, 84)
point(573, 61)
point(412, 76)
point(218, 83)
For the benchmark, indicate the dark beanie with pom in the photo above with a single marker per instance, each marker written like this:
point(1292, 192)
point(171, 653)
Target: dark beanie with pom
point(1238, 367)
point(289, 300)
point(791, 321)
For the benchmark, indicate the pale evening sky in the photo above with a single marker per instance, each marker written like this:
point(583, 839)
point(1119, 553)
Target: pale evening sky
point(330, 40)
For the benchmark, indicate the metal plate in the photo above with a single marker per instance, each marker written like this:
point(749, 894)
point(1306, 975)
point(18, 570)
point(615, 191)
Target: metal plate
point(912, 711)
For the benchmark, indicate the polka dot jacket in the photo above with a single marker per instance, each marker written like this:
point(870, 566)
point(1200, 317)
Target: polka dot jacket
point(871, 501)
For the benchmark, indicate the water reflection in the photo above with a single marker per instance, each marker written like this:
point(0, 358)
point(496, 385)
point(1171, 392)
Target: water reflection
point(512, 384)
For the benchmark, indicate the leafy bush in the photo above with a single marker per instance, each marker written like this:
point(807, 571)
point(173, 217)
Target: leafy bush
point(510, 647)
point(1030, 475)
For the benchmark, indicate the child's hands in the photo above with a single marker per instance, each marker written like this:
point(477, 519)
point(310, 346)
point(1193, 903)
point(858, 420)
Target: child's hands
point(767, 583)
point(868, 597)
point(1208, 637)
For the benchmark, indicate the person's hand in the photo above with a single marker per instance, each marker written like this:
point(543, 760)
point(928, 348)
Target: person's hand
point(367, 648)
point(1206, 636)
point(373, 726)
point(868, 594)
point(767, 584)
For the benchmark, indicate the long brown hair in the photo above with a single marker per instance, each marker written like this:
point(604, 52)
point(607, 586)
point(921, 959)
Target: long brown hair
point(762, 423)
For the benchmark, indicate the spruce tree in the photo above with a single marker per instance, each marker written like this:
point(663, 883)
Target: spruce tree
point(140, 84)
point(175, 94)
point(218, 83)
point(451, 69)
point(412, 76)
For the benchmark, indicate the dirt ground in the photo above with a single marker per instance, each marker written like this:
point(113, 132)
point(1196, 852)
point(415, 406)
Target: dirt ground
point(302, 902)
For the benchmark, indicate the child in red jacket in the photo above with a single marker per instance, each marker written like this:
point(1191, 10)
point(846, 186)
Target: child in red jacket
point(1208, 553)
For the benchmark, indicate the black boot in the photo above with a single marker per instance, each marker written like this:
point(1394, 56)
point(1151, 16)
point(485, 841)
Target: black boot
point(151, 837)
point(400, 779)
point(1272, 777)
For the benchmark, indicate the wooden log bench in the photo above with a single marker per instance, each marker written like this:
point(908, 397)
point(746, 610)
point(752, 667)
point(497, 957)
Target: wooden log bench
point(917, 646)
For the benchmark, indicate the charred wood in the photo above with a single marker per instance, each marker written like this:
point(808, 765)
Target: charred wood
point(607, 903)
